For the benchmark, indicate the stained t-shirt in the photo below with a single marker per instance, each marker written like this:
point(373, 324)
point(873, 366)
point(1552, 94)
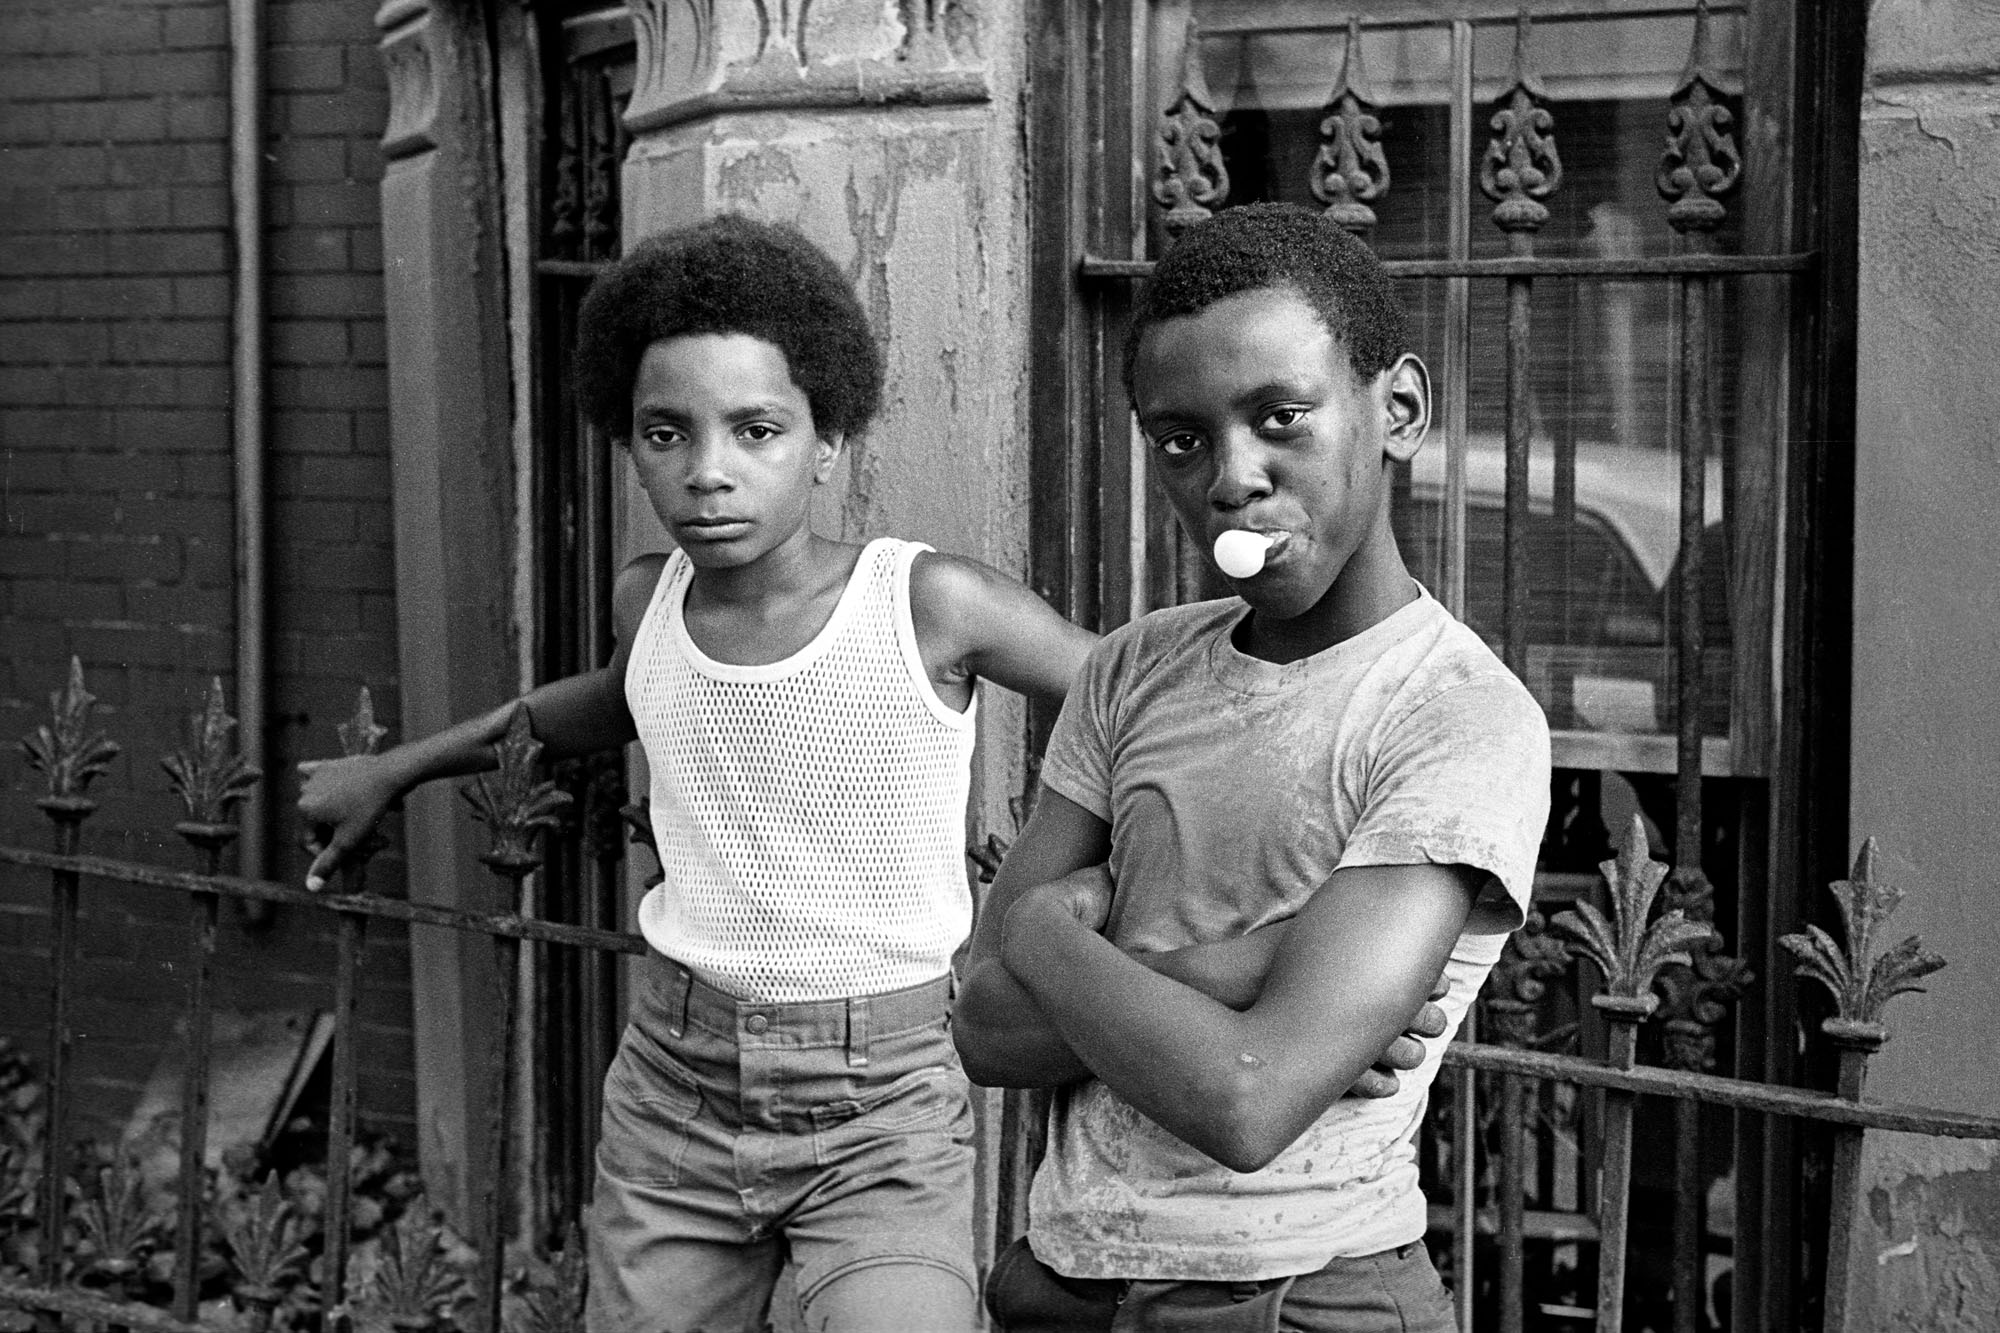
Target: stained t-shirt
point(1234, 787)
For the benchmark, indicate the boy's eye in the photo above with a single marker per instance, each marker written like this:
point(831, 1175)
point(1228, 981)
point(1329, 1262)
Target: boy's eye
point(1284, 418)
point(660, 437)
point(1176, 446)
point(759, 431)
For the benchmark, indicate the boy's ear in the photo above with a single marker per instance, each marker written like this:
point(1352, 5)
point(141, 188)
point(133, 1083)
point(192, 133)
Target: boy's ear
point(1406, 407)
point(829, 449)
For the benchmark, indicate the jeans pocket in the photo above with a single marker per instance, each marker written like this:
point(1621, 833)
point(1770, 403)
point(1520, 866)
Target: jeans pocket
point(649, 1104)
point(925, 1102)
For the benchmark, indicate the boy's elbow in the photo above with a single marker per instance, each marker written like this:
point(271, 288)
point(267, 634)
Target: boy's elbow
point(1243, 1131)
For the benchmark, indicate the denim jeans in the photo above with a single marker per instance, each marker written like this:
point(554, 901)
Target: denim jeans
point(736, 1134)
point(1396, 1291)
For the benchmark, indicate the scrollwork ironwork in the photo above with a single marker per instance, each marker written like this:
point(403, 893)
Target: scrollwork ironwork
point(1351, 171)
point(1701, 162)
point(1192, 180)
point(1522, 166)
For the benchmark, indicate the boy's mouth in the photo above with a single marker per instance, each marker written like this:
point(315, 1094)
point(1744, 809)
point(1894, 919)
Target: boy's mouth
point(1244, 553)
point(714, 528)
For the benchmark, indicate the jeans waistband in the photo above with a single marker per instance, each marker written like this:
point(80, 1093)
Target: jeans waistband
point(681, 998)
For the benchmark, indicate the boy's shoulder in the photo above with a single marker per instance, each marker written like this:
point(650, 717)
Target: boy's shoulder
point(1142, 643)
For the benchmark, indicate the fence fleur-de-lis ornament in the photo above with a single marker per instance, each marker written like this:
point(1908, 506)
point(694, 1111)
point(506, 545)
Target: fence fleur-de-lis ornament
point(65, 751)
point(1522, 166)
point(1701, 162)
point(1861, 983)
point(1192, 180)
point(1351, 171)
point(1627, 948)
point(267, 1239)
point(515, 803)
point(208, 775)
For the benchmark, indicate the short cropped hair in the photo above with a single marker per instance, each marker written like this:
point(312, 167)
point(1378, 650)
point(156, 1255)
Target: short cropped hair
point(1255, 246)
point(729, 274)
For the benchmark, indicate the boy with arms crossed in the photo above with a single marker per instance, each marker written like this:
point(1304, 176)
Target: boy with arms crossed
point(1330, 781)
point(786, 1086)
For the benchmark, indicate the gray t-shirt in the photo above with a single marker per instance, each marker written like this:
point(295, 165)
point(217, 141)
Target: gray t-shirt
point(1234, 788)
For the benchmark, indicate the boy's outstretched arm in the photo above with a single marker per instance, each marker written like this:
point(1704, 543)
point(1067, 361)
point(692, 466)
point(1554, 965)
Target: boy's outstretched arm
point(343, 799)
point(1240, 1086)
point(973, 622)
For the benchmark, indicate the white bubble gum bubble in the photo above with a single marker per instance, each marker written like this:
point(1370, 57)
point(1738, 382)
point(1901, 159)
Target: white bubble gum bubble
point(1240, 553)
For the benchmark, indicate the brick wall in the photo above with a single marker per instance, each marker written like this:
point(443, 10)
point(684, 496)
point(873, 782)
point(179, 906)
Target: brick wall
point(116, 479)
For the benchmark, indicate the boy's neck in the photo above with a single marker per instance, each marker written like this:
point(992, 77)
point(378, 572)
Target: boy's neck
point(1374, 585)
point(795, 569)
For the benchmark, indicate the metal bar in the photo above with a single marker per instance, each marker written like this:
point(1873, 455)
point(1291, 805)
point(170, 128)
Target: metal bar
point(84, 1305)
point(1514, 541)
point(64, 893)
point(1488, 12)
point(571, 268)
point(340, 1120)
point(393, 909)
point(1846, 1178)
point(1511, 1202)
point(1639, 268)
point(1458, 321)
point(1688, 640)
point(203, 909)
point(493, 1213)
point(1687, 1217)
point(1715, 1090)
point(1614, 1195)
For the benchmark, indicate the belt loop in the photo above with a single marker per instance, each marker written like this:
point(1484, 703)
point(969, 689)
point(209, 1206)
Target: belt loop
point(857, 1031)
point(677, 1004)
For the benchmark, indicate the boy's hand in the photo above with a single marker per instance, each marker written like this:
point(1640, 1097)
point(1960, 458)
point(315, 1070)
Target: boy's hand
point(341, 802)
point(1405, 1052)
point(1084, 895)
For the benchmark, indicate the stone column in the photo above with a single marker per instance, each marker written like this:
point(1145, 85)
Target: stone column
point(1926, 705)
point(453, 476)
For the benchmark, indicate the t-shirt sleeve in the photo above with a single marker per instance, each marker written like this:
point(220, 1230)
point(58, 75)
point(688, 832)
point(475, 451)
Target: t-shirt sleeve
point(1462, 779)
point(1077, 762)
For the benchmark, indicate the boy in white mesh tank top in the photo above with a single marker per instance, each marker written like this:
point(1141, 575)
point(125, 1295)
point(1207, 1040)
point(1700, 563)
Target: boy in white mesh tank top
point(787, 1086)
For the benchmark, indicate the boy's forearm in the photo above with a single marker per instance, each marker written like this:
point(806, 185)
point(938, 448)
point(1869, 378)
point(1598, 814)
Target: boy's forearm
point(1003, 1039)
point(575, 715)
point(1230, 972)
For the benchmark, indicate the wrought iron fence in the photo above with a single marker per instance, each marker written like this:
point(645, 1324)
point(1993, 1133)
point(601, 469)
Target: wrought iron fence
point(94, 1242)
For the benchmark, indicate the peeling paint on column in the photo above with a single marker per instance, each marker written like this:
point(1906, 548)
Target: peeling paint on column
point(1931, 1245)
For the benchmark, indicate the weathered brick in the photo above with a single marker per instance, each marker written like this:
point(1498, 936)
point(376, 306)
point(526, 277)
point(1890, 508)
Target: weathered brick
point(31, 556)
point(204, 385)
point(145, 558)
point(144, 164)
point(68, 600)
point(128, 120)
point(366, 246)
point(166, 252)
point(133, 472)
point(369, 340)
point(60, 253)
point(179, 431)
point(179, 341)
point(310, 23)
point(30, 386)
point(325, 521)
point(343, 205)
point(207, 26)
point(320, 611)
point(296, 160)
point(124, 28)
point(179, 605)
point(305, 69)
point(118, 386)
point(330, 386)
point(31, 208)
point(207, 563)
point(309, 250)
point(29, 299)
point(198, 118)
point(324, 113)
point(53, 343)
point(349, 567)
point(200, 206)
point(154, 71)
point(206, 651)
point(297, 431)
point(24, 122)
point(208, 474)
point(128, 297)
point(207, 295)
point(331, 477)
point(311, 295)
point(299, 342)
point(25, 471)
point(135, 207)
point(48, 77)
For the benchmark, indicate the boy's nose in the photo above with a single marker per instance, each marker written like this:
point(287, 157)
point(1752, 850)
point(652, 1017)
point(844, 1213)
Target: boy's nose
point(708, 466)
point(1240, 476)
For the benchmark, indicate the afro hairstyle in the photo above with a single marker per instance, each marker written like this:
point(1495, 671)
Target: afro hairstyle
point(1257, 246)
point(729, 274)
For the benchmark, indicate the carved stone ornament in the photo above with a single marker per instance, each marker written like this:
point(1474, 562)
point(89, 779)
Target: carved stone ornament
point(702, 57)
point(409, 62)
point(1351, 171)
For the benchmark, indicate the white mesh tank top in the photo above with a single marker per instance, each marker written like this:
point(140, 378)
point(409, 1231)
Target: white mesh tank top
point(810, 813)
